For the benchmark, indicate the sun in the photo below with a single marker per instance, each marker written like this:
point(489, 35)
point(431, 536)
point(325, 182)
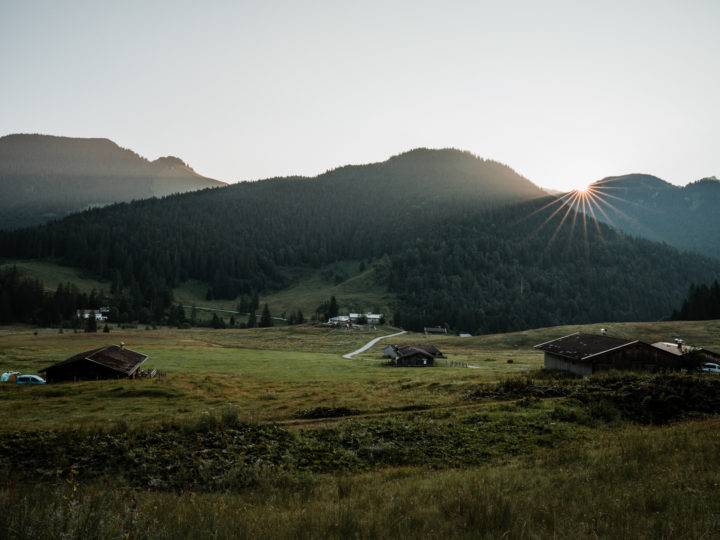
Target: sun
point(584, 189)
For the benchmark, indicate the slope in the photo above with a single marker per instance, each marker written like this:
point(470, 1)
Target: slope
point(646, 206)
point(44, 177)
point(458, 240)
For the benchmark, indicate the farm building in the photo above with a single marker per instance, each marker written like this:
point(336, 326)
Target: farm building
point(98, 314)
point(585, 354)
point(370, 318)
point(679, 349)
point(412, 355)
point(392, 351)
point(111, 362)
point(439, 330)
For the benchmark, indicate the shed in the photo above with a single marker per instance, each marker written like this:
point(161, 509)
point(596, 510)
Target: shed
point(436, 330)
point(110, 362)
point(585, 354)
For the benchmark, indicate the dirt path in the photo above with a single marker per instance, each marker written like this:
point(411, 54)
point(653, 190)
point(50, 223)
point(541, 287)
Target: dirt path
point(370, 344)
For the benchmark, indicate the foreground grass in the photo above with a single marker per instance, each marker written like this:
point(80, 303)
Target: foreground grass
point(636, 482)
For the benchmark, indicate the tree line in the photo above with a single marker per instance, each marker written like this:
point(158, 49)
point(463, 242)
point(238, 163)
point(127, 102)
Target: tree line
point(457, 252)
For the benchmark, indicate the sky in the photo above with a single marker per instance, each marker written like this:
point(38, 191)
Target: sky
point(564, 92)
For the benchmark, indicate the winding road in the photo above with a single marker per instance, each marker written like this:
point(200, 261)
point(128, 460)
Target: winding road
point(370, 344)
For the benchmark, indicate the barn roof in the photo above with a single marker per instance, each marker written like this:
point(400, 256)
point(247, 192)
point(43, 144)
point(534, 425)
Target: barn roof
point(411, 350)
point(683, 349)
point(430, 349)
point(581, 346)
point(113, 357)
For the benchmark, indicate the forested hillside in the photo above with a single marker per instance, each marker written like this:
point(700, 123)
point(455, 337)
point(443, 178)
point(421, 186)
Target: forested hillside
point(646, 206)
point(462, 241)
point(44, 177)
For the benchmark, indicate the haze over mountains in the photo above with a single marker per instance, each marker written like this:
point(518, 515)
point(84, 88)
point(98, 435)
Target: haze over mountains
point(687, 218)
point(44, 177)
point(457, 240)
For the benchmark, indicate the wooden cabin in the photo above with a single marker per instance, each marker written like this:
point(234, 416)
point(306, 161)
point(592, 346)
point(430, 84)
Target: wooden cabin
point(111, 362)
point(585, 354)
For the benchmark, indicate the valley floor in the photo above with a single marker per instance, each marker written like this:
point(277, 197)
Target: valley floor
point(270, 433)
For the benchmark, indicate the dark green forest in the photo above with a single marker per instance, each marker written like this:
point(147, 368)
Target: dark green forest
point(646, 206)
point(462, 241)
point(701, 304)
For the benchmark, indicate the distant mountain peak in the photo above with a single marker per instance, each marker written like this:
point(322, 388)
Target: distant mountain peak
point(48, 175)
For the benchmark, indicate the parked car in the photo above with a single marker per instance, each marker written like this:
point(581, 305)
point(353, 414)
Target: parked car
point(710, 367)
point(9, 376)
point(30, 379)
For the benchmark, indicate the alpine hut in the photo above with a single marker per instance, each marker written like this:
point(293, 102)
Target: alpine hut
point(585, 354)
point(110, 362)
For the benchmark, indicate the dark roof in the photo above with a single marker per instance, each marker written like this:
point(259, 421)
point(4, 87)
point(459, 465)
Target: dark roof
point(584, 346)
point(410, 350)
point(113, 357)
point(430, 349)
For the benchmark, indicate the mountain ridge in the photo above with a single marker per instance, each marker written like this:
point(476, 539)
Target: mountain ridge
point(459, 241)
point(685, 217)
point(45, 177)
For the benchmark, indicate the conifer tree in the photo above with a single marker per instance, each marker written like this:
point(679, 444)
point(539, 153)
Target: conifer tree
point(333, 309)
point(265, 318)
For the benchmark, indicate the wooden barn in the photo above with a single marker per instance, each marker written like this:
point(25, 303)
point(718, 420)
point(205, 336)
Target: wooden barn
point(585, 354)
point(111, 362)
point(412, 355)
point(392, 351)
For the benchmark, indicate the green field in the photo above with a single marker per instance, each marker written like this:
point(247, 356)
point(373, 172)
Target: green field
point(272, 433)
point(356, 291)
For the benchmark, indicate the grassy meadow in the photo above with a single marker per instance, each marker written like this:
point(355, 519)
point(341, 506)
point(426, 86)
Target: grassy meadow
point(271, 433)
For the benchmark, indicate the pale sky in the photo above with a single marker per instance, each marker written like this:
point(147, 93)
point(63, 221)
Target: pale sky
point(564, 92)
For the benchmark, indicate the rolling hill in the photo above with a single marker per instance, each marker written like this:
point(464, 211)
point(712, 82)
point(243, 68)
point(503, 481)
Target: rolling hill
point(646, 206)
point(44, 177)
point(454, 239)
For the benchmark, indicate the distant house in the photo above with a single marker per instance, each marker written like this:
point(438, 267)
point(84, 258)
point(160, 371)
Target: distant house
point(370, 318)
point(111, 362)
point(98, 314)
point(435, 330)
point(585, 354)
point(340, 320)
point(412, 355)
point(680, 349)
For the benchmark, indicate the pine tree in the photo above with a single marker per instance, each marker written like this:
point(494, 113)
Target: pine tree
point(265, 318)
point(91, 324)
point(252, 320)
point(333, 308)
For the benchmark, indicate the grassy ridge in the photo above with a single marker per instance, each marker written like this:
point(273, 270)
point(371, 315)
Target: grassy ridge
point(356, 290)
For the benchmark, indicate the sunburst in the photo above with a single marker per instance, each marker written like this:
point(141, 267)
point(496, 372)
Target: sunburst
point(590, 201)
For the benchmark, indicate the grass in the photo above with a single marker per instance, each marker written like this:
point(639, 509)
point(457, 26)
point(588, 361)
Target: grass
point(270, 433)
point(271, 374)
point(52, 275)
point(309, 288)
point(627, 483)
